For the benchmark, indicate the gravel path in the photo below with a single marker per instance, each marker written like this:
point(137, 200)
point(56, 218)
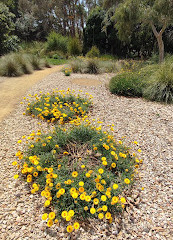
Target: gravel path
point(151, 124)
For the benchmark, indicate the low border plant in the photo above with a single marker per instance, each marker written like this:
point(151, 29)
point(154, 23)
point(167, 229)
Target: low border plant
point(62, 106)
point(80, 171)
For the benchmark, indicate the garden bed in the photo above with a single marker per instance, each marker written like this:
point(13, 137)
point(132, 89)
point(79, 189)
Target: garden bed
point(148, 123)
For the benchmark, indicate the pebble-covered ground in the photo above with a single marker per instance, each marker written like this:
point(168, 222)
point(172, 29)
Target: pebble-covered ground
point(150, 214)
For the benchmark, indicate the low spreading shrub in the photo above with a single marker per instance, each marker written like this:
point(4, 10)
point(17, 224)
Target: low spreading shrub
point(94, 52)
point(67, 71)
point(160, 85)
point(60, 105)
point(126, 84)
point(80, 171)
point(74, 47)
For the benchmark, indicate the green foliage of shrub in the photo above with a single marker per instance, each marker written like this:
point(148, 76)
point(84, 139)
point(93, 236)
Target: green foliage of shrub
point(94, 52)
point(57, 42)
point(60, 105)
point(160, 85)
point(126, 84)
point(74, 47)
point(92, 66)
point(79, 170)
point(33, 48)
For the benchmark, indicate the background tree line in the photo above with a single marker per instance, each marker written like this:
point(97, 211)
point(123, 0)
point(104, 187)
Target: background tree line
point(123, 28)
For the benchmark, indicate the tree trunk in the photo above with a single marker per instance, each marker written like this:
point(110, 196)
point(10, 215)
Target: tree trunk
point(158, 35)
point(161, 48)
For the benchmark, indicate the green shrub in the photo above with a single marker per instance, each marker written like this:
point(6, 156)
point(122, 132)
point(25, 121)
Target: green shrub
point(57, 42)
point(59, 106)
point(74, 47)
point(160, 85)
point(126, 84)
point(94, 52)
point(80, 171)
point(9, 67)
point(92, 66)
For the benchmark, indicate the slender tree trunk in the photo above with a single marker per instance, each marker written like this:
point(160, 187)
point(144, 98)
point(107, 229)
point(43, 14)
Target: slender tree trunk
point(160, 42)
point(161, 48)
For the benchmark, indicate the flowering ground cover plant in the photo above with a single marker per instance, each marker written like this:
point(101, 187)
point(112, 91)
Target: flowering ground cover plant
point(67, 71)
point(80, 171)
point(58, 105)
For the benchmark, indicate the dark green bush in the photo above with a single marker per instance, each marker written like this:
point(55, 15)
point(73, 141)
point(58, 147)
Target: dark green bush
point(74, 47)
point(126, 84)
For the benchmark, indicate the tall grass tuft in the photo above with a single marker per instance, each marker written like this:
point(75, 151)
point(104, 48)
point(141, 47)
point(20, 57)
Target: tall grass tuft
point(160, 85)
point(9, 67)
point(92, 66)
point(24, 62)
point(36, 62)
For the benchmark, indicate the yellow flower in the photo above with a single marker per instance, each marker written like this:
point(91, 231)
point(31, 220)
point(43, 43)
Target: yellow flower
point(103, 159)
point(68, 218)
point(35, 174)
point(101, 216)
point(85, 208)
point(115, 199)
point(16, 176)
point(123, 200)
point(87, 198)
point(96, 201)
point(51, 215)
point(81, 184)
point(74, 174)
point(82, 197)
point(64, 214)
point(104, 163)
point(71, 213)
point(103, 198)
point(76, 225)
point(113, 165)
point(115, 186)
point(44, 216)
point(92, 210)
point(104, 208)
point(82, 166)
point(108, 215)
point(113, 153)
point(81, 189)
point(100, 170)
point(87, 175)
point(75, 195)
point(126, 180)
point(14, 163)
point(47, 203)
point(62, 191)
point(49, 223)
point(69, 228)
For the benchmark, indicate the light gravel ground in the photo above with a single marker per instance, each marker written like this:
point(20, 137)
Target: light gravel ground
point(151, 124)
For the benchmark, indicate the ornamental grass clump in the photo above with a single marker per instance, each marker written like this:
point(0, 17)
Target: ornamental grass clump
point(80, 171)
point(59, 106)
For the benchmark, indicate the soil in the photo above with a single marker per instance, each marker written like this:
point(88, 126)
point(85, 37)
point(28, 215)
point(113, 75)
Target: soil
point(88, 82)
point(12, 88)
